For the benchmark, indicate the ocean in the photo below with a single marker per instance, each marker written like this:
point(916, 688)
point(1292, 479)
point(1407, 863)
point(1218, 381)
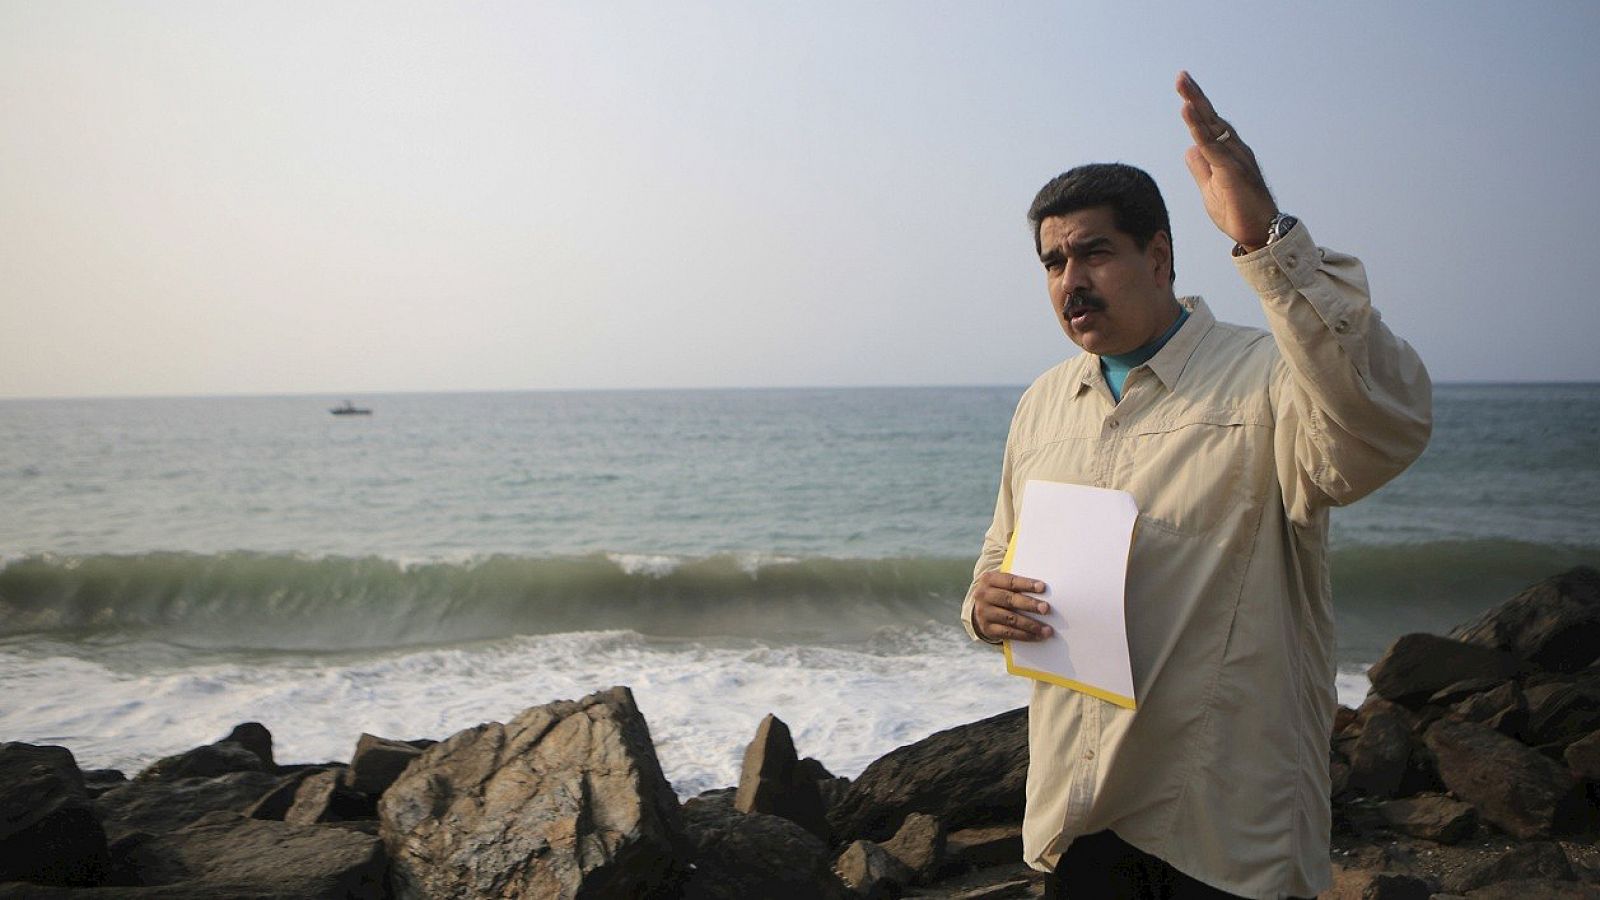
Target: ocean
point(171, 567)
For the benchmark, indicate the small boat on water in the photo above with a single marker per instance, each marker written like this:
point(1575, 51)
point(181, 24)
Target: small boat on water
point(350, 409)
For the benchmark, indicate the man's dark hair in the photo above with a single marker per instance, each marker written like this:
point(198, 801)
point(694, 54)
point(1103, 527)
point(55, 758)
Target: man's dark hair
point(1135, 201)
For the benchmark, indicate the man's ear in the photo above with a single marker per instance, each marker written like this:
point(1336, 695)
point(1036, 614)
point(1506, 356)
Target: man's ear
point(1160, 255)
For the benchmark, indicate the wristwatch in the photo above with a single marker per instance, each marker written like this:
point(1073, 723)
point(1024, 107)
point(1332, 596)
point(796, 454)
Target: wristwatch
point(1281, 224)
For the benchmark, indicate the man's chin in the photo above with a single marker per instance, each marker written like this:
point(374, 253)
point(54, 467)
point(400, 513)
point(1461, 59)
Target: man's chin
point(1090, 340)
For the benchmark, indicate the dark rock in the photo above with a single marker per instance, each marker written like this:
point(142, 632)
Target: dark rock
point(378, 762)
point(131, 865)
point(18, 890)
point(1367, 884)
point(162, 806)
point(1536, 890)
point(1008, 888)
point(1339, 779)
point(1561, 713)
point(868, 870)
point(773, 782)
point(832, 792)
point(48, 829)
point(1541, 860)
point(322, 797)
point(1417, 665)
point(98, 781)
point(1381, 755)
point(1343, 718)
point(1583, 757)
point(206, 761)
point(1505, 709)
point(232, 855)
point(812, 768)
point(1451, 694)
point(255, 737)
point(304, 768)
point(830, 786)
point(1422, 775)
point(740, 855)
point(277, 801)
point(1514, 788)
point(919, 845)
point(565, 800)
point(969, 776)
point(1432, 818)
point(977, 848)
point(1359, 818)
point(1554, 624)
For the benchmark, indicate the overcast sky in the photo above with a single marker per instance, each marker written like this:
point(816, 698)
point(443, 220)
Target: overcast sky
point(347, 198)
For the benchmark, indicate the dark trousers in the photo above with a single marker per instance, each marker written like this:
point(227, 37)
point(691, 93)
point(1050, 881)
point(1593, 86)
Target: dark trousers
point(1102, 866)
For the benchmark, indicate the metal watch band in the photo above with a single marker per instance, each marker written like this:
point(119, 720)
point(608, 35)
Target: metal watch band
point(1281, 224)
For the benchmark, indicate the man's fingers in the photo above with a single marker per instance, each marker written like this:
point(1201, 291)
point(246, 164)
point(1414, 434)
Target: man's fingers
point(1200, 127)
point(1210, 132)
point(1199, 166)
point(1003, 608)
point(1194, 97)
point(1005, 581)
point(1009, 625)
point(1007, 592)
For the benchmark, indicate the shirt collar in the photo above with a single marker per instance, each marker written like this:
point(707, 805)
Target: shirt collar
point(1170, 361)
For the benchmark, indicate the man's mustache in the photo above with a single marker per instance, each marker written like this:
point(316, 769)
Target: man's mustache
point(1082, 302)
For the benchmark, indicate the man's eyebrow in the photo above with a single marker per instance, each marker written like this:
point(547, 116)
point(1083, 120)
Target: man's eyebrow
point(1085, 245)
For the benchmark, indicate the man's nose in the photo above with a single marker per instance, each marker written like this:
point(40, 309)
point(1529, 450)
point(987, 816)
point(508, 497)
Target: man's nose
point(1075, 277)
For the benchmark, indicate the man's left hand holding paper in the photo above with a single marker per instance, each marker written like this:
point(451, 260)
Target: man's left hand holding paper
point(1000, 609)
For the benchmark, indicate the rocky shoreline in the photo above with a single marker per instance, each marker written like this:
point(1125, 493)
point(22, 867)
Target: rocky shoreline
point(1472, 770)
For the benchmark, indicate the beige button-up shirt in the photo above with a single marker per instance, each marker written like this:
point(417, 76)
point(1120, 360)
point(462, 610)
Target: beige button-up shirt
point(1235, 443)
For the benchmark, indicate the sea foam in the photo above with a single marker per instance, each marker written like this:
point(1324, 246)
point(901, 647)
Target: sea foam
point(703, 700)
point(845, 705)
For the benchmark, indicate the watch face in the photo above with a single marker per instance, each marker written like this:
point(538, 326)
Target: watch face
point(1281, 226)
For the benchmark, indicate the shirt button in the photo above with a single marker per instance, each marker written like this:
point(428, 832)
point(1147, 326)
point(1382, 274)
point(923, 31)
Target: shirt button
point(1112, 423)
point(1292, 260)
point(1088, 754)
point(1341, 326)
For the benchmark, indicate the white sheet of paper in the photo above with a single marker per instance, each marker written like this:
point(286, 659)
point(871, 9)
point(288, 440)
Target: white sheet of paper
point(1076, 539)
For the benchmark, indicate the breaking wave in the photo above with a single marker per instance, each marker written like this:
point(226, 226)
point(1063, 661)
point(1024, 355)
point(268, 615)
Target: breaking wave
point(249, 600)
point(265, 601)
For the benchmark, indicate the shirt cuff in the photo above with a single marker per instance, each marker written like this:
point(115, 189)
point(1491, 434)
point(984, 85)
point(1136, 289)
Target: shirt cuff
point(1282, 266)
point(1294, 267)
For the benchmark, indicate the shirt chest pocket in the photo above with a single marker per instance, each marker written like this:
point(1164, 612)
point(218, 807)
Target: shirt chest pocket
point(1197, 473)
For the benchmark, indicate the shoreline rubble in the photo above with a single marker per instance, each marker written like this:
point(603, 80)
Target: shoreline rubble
point(1471, 770)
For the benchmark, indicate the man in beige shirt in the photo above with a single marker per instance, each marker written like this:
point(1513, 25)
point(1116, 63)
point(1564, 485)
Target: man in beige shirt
point(1235, 443)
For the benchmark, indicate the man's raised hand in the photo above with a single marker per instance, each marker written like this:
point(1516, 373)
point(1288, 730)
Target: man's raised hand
point(1225, 169)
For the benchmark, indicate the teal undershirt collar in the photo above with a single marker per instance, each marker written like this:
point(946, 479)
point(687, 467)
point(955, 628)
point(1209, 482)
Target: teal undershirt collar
point(1116, 368)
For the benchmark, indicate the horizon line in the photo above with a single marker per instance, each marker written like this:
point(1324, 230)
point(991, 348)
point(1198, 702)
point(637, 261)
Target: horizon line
point(250, 395)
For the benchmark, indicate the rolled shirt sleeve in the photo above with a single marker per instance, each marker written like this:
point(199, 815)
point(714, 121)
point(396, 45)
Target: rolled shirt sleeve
point(1359, 398)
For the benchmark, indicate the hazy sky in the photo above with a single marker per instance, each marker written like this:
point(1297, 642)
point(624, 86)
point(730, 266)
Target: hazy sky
point(348, 198)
